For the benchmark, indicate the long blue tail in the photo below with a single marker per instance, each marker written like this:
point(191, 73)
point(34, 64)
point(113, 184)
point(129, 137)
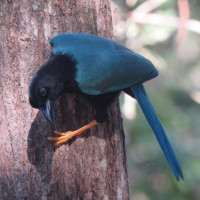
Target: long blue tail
point(154, 122)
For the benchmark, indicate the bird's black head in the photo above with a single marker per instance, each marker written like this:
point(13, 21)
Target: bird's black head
point(49, 82)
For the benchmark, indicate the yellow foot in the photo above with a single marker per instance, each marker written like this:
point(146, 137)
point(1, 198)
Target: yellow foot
point(64, 137)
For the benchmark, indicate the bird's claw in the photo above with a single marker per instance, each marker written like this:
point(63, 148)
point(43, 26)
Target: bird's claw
point(64, 137)
point(60, 133)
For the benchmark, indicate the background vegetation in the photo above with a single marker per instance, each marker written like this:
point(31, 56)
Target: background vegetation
point(168, 33)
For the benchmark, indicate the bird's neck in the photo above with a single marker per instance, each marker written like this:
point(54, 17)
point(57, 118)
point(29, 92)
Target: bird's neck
point(70, 86)
point(64, 68)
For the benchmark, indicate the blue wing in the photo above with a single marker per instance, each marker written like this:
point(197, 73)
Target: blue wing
point(103, 65)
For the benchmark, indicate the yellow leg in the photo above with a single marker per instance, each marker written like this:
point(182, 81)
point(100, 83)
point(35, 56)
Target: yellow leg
point(64, 137)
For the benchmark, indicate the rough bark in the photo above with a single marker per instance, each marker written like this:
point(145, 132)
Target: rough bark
point(90, 166)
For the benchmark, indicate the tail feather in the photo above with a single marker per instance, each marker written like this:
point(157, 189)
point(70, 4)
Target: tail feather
point(154, 122)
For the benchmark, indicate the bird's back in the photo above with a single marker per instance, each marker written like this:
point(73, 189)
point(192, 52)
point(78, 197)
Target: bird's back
point(103, 65)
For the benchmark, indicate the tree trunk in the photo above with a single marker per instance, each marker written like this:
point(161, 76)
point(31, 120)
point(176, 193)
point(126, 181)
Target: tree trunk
point(90, 166)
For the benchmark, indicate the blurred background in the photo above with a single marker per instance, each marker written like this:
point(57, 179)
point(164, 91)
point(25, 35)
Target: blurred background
point(168, 33)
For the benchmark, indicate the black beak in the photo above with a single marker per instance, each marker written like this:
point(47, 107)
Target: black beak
point(48, 111)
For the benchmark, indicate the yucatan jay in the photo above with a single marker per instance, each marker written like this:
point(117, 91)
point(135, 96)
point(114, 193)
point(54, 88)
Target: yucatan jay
point(100, 69)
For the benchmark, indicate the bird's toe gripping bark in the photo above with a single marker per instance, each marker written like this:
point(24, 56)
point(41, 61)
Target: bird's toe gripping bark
point(64, 137)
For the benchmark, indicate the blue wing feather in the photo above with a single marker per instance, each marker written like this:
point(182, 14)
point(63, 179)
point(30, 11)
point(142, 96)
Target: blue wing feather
point(103, 65)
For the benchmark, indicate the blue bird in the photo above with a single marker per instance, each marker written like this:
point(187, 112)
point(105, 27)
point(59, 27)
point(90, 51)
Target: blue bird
point(99, 69)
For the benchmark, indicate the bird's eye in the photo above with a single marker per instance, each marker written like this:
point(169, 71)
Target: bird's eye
point(43, 92)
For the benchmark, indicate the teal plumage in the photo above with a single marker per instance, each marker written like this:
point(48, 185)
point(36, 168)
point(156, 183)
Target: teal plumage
point(99, 68)
point(103, 65)
point(157, 128)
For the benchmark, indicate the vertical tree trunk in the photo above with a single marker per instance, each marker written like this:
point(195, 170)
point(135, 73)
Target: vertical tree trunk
point(91, 166)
